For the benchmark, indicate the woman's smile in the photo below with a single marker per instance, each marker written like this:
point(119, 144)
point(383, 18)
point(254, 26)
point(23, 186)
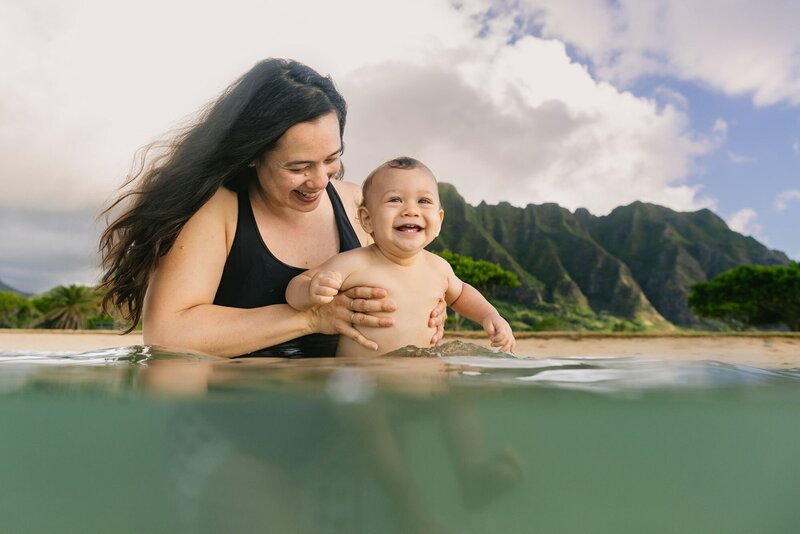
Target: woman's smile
point(307, 198)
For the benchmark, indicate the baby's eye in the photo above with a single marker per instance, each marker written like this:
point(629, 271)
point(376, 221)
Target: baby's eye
point(425, 201)
point(393, 199)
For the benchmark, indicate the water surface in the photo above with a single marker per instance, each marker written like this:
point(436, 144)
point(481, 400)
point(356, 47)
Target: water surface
point(144, 440)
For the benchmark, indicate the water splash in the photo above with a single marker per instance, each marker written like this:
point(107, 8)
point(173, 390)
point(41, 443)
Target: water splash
point(450, 348)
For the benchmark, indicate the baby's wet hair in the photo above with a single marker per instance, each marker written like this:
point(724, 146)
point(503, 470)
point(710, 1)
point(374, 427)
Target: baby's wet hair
point(405, 163)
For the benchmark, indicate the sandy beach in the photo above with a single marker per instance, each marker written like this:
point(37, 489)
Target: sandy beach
point(758, 350)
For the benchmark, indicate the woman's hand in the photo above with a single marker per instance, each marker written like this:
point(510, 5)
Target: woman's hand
point(437, 320)
point(354, 307)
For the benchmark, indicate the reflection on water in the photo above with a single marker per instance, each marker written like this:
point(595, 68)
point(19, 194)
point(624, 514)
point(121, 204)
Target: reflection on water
point(141, 439)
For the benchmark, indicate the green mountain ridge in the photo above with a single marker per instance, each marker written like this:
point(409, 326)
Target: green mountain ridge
point(8, 288)
point(637, 263)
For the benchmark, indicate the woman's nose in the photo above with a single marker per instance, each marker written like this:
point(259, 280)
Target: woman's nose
point(319, 177)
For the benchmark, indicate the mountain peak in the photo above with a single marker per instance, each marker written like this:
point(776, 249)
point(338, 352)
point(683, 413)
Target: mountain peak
point(638, 262)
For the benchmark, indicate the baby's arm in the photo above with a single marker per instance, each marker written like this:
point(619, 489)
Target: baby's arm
point(468, 301)
point(320, 285)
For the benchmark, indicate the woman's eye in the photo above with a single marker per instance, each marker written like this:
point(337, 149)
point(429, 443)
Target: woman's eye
point(304, 169)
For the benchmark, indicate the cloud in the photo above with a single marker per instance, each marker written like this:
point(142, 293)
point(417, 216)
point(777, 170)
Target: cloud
point(674, 98)
point(739, 159)
point(741, 47)
point(86, 84)
point(784, 197)
point(796, 146)
point(501, 114)
point(528, 116)
point(744, 222)
point(42, 249)
point(720, 129)
point(487, 118)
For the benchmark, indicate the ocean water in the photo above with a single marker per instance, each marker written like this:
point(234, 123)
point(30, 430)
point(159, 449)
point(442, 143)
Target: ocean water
point(143, 440)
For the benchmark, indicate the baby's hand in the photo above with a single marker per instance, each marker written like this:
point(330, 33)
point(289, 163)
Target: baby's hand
point(499, 331)
point(324, 286)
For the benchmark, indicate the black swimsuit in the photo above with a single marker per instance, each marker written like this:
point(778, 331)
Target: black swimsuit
point(253, 277)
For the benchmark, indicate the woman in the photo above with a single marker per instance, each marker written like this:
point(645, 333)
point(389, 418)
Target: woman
point(238, 204)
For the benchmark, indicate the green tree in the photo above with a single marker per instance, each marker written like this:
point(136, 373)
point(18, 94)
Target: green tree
point(481, 274)
point(68, 307)
point(16, 311)
point(751, 296)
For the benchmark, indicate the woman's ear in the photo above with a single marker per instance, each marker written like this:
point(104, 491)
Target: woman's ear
point(364, 219)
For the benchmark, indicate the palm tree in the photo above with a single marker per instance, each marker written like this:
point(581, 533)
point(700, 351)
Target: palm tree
point(71, 306)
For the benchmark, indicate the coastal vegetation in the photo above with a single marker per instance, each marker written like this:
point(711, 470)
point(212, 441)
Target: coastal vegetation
point(751, 296)
point(71, 307)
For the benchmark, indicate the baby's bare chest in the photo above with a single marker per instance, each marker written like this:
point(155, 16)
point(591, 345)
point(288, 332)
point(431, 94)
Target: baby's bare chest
point(415, 291)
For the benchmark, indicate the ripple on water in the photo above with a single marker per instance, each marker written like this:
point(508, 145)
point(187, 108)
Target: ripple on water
point(465, 364)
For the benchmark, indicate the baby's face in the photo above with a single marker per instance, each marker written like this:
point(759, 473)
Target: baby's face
point(402, 210)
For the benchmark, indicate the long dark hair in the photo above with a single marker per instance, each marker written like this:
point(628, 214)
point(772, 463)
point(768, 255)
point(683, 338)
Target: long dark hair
point(172, 179)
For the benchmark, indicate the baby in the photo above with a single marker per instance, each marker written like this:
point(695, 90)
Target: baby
point(402, 213)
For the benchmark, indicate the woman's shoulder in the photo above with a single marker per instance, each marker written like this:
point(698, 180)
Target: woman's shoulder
point(351, 196)
point(219, 211)
point(349, 192)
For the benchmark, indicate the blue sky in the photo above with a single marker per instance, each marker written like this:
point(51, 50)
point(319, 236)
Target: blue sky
point(759, 160)
point(587, 103)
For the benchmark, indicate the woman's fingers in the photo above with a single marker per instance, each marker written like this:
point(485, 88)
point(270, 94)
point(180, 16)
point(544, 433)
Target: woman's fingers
point(361, 292)
point(439, 314)
point(358, 337)
point(369, 300)
point(372, 306)
point(370, 320)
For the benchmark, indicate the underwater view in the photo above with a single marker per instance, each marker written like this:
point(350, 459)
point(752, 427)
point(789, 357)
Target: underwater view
point(144, 440)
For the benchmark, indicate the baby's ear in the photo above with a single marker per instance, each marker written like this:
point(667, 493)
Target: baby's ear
point(364, 219)
point(441, 215)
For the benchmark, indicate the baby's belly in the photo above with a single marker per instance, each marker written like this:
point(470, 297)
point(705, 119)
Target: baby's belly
point(406, 331)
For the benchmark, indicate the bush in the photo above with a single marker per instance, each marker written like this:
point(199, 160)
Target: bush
point(751, 296)
point(17, 312)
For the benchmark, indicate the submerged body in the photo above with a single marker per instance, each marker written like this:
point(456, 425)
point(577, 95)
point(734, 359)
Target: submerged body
point(719, 453)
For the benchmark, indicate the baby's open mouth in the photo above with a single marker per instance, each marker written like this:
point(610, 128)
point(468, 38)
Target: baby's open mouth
point(409, 228)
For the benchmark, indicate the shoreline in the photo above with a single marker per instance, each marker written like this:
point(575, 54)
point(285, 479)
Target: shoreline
point(756, 349)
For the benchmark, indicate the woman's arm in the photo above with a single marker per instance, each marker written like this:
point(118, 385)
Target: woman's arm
point(178, 309)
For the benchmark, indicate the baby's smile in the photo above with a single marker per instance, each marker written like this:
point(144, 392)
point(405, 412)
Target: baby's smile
point(409, 228)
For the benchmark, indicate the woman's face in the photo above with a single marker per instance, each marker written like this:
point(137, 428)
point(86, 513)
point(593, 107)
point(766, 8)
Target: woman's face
point(295, 173)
